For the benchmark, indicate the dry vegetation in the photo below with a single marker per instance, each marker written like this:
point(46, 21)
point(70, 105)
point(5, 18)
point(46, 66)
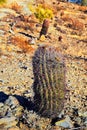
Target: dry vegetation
point(19, 33)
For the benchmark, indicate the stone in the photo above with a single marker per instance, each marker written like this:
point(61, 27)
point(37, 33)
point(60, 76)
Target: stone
point(14, 107)
point(12, 102)
point(65, 123)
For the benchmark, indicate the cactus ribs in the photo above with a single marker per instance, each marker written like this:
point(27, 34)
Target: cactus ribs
point(49, 81)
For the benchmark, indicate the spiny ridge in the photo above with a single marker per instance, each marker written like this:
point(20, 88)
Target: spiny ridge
point(49, 81)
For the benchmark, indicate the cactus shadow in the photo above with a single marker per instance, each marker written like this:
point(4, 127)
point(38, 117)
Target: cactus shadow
point(25, 102)
point(3, 97)
point(22, 100)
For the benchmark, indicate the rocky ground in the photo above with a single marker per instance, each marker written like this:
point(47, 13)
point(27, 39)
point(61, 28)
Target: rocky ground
point(19, 32)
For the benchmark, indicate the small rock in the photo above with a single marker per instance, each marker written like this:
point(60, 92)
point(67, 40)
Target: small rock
point(14, 107)
point(12, 102)
point(78, 120)
point(85, 114)
point(65, 123)
point(32, 41)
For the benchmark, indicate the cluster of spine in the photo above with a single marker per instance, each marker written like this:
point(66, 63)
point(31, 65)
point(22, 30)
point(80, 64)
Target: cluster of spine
point(49, 81)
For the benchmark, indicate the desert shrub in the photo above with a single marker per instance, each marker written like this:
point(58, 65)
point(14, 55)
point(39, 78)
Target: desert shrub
point(2, 1)
point(84, 2)
point(41, 12)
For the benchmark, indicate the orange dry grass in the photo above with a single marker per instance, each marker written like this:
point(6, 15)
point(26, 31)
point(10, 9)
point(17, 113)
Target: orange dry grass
point(73, 22)
point(22, 43)
point(16, 7)
point(82, 8)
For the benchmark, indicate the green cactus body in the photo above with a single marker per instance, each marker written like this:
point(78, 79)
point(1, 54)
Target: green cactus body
point(49, 84)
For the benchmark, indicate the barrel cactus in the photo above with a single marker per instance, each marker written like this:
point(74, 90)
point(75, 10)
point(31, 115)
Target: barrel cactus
point(49, 81)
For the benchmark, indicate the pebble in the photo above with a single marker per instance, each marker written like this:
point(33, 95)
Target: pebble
point(65, 123)
point(12, 102)
point(10, 112)
point(32, 42)
point(78, 120)
point(83, 114)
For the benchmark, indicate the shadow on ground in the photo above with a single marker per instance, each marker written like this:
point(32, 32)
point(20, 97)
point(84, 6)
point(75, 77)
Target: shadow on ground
point(22, 100)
